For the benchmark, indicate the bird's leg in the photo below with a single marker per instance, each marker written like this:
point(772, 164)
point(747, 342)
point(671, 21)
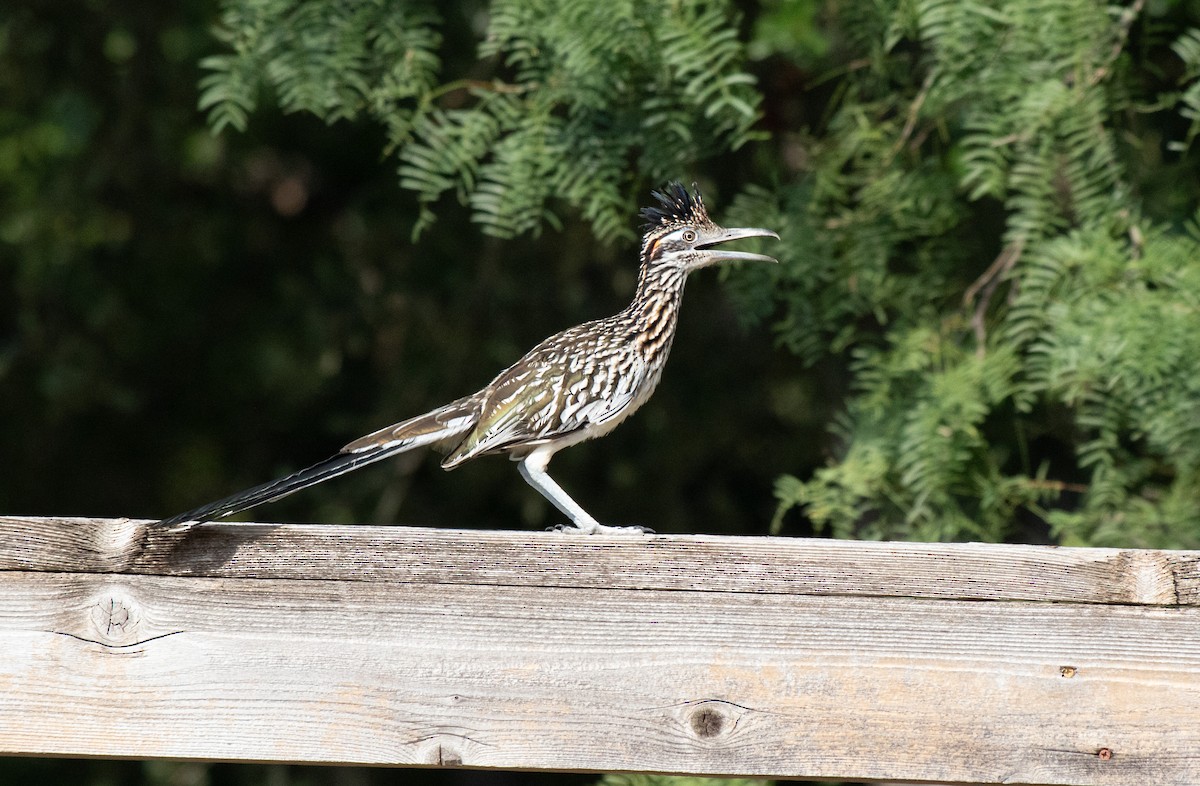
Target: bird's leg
point(533, 469)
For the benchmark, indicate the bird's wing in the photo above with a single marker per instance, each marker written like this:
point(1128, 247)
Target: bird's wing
point(546, 396)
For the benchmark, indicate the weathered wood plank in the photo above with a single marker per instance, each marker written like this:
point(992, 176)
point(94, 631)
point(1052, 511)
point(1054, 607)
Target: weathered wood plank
point(570, 678)
point(710, 563)
point(398, 646)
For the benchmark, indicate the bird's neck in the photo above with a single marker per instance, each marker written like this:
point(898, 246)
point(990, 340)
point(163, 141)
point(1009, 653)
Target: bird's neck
point(654, 311)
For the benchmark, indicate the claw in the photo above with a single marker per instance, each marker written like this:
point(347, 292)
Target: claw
point(600, 529)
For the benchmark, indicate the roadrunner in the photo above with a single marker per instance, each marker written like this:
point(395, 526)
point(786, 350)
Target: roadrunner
point(574, 386)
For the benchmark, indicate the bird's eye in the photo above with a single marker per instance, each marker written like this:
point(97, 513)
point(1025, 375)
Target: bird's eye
point(689, 236)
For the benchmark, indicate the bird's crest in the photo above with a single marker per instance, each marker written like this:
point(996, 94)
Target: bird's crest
point(679, 207)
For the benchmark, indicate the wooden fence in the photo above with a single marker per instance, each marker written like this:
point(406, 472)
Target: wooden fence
point(772, 657)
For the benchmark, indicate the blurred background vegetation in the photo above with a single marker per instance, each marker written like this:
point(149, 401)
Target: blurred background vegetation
point(985, 326)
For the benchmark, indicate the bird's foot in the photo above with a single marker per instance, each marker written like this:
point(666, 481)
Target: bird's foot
point(594, 528)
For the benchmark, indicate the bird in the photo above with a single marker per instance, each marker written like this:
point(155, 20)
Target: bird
point(576, 385)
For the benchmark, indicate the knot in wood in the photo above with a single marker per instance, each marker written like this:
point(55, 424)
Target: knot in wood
point(115, 617)
point(707, 721)
point(448, 757)
point(446, 748)
point(711, 720)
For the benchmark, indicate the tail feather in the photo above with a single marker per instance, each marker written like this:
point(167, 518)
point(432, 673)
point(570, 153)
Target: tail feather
point(441, 424)
point(277, 489)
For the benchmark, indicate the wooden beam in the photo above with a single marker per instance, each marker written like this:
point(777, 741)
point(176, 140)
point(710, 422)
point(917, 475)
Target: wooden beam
point(772, 657)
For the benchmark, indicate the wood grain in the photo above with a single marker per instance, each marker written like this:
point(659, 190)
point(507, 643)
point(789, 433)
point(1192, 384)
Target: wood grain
point(692, 562)
point(768, 657)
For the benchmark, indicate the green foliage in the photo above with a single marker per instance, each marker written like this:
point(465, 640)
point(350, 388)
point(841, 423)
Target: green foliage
point(335, 60)
point(1110, 331)
point(918, 459)
point(1187, 47)
point(1059, 383)
point(565, 96)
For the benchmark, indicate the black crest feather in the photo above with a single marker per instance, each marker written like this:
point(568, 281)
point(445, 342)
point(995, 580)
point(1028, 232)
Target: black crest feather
point(678, 206)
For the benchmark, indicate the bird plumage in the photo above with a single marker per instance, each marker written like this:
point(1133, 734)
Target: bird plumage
point(575, 385)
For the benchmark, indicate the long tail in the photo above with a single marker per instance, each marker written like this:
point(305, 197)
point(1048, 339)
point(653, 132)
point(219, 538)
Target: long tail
point(437, 426)
point(277, 489)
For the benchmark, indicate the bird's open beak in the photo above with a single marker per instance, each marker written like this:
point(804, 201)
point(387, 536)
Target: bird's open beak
point(726, 235)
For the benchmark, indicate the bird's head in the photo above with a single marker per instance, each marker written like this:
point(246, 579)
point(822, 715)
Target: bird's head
point(680, 234)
